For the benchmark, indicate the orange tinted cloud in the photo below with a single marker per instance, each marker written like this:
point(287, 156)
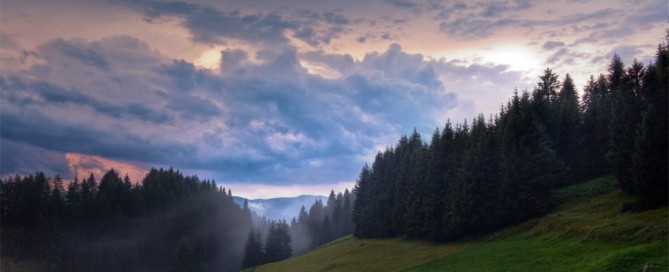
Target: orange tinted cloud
point(82, 165)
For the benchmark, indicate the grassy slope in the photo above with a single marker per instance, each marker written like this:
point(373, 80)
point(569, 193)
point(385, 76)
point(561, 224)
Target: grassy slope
point(583, 234)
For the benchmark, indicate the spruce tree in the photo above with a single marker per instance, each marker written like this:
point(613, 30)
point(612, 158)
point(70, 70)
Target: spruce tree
point(185, 260)
point(362, 213)
point(544, 102)
point(649, 168)
point(278, 244)
point(650, 158)
point(623, 123)
point(567, 141)
point(595, 127)
point(253, 251)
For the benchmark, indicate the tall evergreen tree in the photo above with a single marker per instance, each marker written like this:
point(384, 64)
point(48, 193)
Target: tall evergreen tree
point(649, 163)
point(186, 260)
point(651, 147)
point(278, 244)
point(624, 120)
point(595, 127)
point(544, 102)
point(253, 251)
point(530, 168)
point(567, 141)
point(347, 216)
point(362, 212)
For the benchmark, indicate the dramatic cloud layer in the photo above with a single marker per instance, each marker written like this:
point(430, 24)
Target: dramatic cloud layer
point(290, 94)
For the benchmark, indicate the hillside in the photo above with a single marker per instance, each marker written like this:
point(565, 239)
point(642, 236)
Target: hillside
point(585, 233)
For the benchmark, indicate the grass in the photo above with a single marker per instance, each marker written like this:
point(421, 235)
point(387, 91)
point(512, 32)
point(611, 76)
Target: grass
point(351, 254)
point(585, 233)
point(585, 190)
point(548, 252)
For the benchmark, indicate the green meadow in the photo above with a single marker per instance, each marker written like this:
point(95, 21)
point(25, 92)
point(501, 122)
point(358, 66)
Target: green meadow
point(586, 232)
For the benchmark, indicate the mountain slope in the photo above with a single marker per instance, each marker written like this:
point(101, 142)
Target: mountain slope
point(280, 208)
point(586, 233)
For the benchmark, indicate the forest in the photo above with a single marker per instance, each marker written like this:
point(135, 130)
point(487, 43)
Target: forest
point(472, 178)
point(319, 225)
point(480, 176)
point(167, 222)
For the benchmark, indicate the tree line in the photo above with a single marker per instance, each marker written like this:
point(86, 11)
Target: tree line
point(322, 224)
point(319, 225)
point(477, 177)
point(168, 222)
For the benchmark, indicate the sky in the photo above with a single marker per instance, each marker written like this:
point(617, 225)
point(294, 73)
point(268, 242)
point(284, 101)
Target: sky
point(279, 98)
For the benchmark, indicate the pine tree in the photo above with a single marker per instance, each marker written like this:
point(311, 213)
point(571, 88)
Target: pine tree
point(530, 168)
point(362, 212)
point(253, 251)
point(595, 127)
point(347, 216)
point(650, 158)
point(332, 199)
point(303, 216)
point(278, 244)
point(326, 232)
point(567, 141)
point(57, 202)
point(185, 260)
point(624, 120)
point(73, 199)
point(315, 222)
point(337, 214)
point(433, 189)
point(544, 102)
point(649, 168)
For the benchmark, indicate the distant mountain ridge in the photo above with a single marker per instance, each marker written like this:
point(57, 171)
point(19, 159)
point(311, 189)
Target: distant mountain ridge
point(280, 207)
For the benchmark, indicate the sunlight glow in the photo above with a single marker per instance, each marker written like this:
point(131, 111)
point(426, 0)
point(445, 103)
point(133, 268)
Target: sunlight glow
point(321, 70)
point(519, 58)
point(210, 59)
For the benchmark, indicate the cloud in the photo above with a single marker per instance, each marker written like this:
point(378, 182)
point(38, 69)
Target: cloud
point(626, 53)
point(484, 19)
point(21, 158)
point(85, 55)
point(405, 4)
point(262, 121)
point(81, 165)
point(42, 93)
point(498, 8)
point(396, 63)
point(550, 45)
point(557, 56)
point(33, 126)
point(336, 18)
point(650, 14)
point(210, 25)
point(8, 42)
point(473, 27)
point(182, 74)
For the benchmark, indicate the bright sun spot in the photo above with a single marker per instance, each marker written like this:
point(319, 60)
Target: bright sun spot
point(519, 58)
point(210, 59)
